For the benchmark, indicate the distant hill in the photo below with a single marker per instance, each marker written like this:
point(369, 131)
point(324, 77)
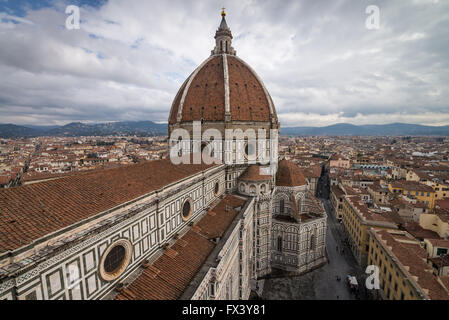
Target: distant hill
point(149, 128)
point(345, 129)
point(139, 128)
point(13, 131)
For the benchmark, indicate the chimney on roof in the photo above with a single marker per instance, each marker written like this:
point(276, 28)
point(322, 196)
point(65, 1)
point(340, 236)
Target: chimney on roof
point(215, 240)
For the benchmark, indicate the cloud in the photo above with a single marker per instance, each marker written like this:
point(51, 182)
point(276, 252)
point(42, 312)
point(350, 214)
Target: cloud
point(317, 59)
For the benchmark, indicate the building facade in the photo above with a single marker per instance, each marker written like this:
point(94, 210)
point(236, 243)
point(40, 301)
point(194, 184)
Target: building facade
point(357, 220)
point(403, 271)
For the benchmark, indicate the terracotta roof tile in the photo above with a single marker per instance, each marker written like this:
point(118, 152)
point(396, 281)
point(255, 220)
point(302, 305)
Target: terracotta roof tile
point(413, 256)
point(178, 270)
point(289, 174)
point(205, 97)
point(30, 212)
point(253, 174)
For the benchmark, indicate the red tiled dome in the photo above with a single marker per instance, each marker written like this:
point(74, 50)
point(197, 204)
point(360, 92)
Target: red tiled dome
point(253, 173)
point(289, 174)
point(204, 94)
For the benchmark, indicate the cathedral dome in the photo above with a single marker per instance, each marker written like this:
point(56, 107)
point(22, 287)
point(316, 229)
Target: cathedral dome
point(223, 88)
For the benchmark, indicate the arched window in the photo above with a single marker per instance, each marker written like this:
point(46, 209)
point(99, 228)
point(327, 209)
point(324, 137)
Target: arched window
point(312, 242)
point(221, 45)
point(226, 46)
point(252, 189)
point(279, 244)
point(180, 144)
point(281, 206)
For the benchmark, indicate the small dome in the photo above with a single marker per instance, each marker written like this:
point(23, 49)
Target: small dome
point(253, 174)
point(289, 175)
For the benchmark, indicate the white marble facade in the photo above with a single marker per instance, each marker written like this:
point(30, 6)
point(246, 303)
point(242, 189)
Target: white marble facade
point(69, 264)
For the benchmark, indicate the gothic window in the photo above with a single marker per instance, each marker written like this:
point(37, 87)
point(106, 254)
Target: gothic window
point(279, 244)
point(250, 150)
point(203, 145)
point(281, 206)
point(312, 242)
point(221, 45)
point(217, 188)
point(252, 189)
point(226, 46)
point(180, 144)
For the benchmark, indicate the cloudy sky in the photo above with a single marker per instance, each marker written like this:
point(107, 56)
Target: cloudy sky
point(319, 61)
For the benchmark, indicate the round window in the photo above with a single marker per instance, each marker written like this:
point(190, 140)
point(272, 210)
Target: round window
point(250, 150)
point(186, 209)
point(217, 188)
point(115, 260)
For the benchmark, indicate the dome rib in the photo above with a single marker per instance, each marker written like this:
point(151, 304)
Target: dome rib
point(187, 87)
point(226, 86)
point(229, 92)
point(175, 105)
point(267, 95)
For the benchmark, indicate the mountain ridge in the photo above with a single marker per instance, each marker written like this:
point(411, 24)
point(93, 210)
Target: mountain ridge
point(391, 129)
point(139, 128)
point(150, 128)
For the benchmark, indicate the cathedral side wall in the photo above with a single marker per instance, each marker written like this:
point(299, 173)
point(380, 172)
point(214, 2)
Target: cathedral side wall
point(229, 280)
point(73, 273)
